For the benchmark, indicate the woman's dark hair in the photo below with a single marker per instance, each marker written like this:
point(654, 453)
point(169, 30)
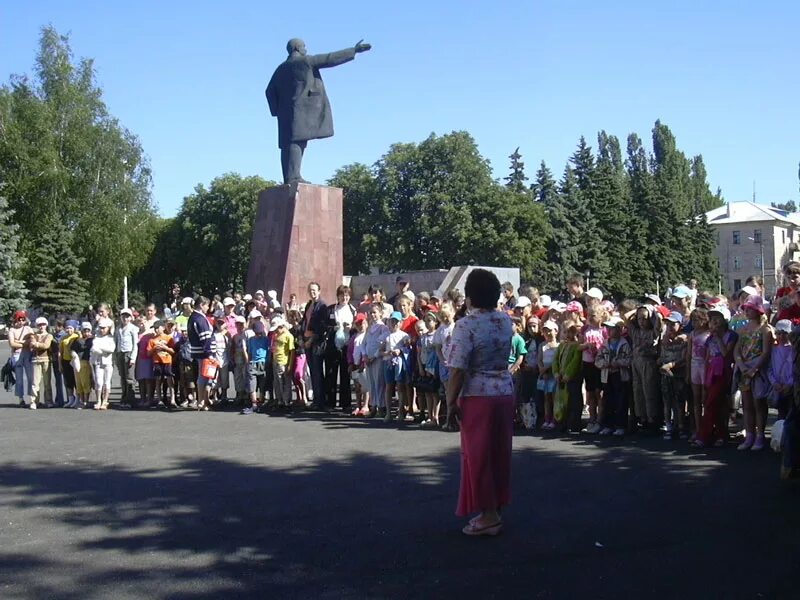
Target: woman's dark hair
point(482, 289)
point(342, 290)
point(755, 279)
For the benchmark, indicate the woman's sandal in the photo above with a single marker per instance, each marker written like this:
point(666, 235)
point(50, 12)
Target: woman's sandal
point(473, 528)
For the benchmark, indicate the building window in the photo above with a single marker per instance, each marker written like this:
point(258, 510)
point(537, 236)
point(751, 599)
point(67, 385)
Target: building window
point(756, 236)
point(737, 284)
point(737, 264)
point(757, 262)
point(737, 237)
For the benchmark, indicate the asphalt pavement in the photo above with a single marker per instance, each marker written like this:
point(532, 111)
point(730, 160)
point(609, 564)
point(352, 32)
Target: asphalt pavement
point(150, 504)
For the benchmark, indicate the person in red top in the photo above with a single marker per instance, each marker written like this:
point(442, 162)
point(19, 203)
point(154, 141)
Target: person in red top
point(787, 298)
point(409, 322)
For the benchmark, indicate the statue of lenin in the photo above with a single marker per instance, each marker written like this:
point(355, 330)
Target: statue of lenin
point(296, 96)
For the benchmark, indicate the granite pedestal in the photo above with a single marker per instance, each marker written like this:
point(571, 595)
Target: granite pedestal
point(297, 238)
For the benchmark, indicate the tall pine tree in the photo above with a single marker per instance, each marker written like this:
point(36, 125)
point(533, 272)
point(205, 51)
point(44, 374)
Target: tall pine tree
point(54, 276)
point(12, 289)
point(516, 179)
point(584, 208)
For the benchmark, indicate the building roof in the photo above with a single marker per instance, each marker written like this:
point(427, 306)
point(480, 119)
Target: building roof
point(749, 212)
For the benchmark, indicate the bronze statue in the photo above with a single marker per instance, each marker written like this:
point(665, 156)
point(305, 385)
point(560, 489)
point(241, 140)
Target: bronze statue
point(296, 95)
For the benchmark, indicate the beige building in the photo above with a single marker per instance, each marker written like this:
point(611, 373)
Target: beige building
point(749, 233)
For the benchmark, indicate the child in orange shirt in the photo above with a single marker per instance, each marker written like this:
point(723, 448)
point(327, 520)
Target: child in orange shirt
point(161, 348)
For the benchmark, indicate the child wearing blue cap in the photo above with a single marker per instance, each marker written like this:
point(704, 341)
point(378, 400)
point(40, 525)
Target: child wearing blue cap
point(396, 347)
point(672, 368)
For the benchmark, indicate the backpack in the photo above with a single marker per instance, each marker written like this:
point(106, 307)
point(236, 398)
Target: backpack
point(7, 375)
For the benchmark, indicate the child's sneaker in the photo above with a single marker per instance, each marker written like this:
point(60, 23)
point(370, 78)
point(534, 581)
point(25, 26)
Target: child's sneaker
point(249, 411)
point(760, 443)
point(606, 431)
point(619, 432)
point(747, 443)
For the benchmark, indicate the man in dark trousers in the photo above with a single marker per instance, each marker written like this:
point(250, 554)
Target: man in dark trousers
point(315, 327)
point(296, 95)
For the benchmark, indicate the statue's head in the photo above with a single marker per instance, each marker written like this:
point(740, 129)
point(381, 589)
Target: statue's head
point(296, 45)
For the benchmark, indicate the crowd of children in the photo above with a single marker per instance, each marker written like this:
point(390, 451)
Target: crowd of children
point(682, 367)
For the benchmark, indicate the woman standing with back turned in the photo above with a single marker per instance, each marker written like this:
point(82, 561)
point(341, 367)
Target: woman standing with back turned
point(480, 394)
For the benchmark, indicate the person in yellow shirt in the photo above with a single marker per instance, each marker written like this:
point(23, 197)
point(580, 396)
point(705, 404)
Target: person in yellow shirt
point(65, 356)
point(282, 361)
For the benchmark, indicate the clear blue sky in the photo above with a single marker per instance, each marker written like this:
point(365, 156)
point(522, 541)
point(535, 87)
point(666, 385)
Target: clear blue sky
point(188, 78)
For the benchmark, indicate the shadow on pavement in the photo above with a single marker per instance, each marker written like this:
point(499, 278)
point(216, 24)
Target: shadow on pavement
point(587, 518)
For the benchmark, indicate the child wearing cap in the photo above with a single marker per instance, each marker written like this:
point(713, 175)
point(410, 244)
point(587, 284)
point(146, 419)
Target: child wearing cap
point(295, 318)
point(572, 315)
point(71, 328)
point(593, 336)
point(568, 400)
point(237, 357)
point(781, 366)
point(282, 359)
point(102, 359)
point(144, 368)
point(126, 338)
point(546, 383)
point(161, 349)
point(717, 381)
point(672, 368)
point(395, 351)
point(377, 332)
point(614, 361)
point(518, 351)
point(427, 364)
point(80, 353)
point(751, 356)
point(529, 374)
point(357, 364)
point(40, 358)
point(19, 336)
point(696, 357)
point(257, 355)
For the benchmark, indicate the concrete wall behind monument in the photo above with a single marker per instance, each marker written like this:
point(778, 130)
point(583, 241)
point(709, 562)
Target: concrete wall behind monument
point(297, 238)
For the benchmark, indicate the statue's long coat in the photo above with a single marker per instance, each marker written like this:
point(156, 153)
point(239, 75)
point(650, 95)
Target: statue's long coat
point(296, 95)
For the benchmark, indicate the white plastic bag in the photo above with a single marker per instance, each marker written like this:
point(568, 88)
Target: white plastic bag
point(776, 435)
point(528, 413)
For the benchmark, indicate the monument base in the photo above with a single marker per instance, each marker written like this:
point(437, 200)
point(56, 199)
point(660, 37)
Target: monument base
point(297, 238)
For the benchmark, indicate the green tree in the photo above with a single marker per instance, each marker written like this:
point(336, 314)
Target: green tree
point(616, 221)
point(582, 205)
point(434, 205)
point(70, 166)
point(788, 206)
point(361, 212)
point(214, 232)
point(12, 289)
point(54, 276)
point(516, 179)
point(702, 200)
point(642, 194)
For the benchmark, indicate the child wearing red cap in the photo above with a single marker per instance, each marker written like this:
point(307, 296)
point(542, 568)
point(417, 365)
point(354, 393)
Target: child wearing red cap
point(19, 340)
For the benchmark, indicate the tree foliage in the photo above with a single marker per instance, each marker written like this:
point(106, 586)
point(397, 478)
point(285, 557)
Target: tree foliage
point(69, 165)
point(435, 204)
point(206, 247)
point(13, 295)
point(789, 206)
point(516, 179)
point(54, 275)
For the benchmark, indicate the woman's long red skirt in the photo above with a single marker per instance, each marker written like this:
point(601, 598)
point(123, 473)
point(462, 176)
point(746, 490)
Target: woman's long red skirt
point(487, 428)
